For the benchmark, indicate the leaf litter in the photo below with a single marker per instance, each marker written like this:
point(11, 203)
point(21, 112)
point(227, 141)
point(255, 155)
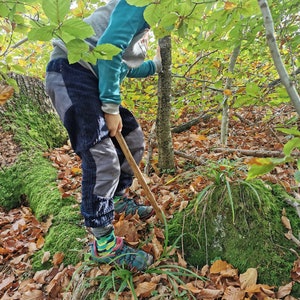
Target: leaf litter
point(22, 234)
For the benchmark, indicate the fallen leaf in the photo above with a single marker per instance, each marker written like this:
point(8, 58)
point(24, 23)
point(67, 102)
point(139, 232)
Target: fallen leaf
point(6, 283)
point(144, 289)
point(58, 258)
point(190, 287)
point(6, 91)
point(248, 278)
point(233, 293)
point(286, 222)
point(219, 266)
point(284, 291)
point(46, 257)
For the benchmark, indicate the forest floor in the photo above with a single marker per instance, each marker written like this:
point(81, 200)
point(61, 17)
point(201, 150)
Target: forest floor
point(252, 132)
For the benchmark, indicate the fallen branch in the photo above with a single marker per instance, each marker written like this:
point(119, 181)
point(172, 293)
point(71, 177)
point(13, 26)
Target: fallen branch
point(195, 159)
point(186, 126)
point(255, 153)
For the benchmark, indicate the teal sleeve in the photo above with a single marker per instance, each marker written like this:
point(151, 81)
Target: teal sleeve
point(126, 21)
point(147, 68)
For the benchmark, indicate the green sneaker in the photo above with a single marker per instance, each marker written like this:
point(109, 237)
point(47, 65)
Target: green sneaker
point(130, 207)
point(123, 255)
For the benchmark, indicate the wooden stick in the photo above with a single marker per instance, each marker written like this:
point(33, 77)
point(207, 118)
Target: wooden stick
point(138, 174)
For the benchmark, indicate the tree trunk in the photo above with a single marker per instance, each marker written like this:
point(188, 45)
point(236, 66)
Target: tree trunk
point(163, 127)
point(271, 40)
point(34, 90)
point(225, 115)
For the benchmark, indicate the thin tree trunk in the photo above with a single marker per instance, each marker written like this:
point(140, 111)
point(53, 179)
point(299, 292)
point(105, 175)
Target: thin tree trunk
point(271, 40)
point(225, 114)
point(163, 127)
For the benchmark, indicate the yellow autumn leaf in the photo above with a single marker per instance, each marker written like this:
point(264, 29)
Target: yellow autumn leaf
point(229, 5)
point(6, 91)
point(216, 64)
point(227, 92)
point(76, 171)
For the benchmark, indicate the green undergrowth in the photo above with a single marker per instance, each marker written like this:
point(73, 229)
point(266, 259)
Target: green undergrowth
point(241, 224)
point(31, 180)
point(32, 128)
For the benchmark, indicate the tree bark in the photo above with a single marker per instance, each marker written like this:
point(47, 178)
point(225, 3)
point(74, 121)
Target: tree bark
point(271, 40)
point(225, 114)
point(163, 127)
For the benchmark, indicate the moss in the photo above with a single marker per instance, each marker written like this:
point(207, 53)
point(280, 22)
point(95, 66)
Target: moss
point(33, 178)
point(66, 235)
point(10, 188)
point(32, 128)
point(255, 238)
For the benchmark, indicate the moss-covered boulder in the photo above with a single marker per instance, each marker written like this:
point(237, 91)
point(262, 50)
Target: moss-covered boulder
point(239, 222)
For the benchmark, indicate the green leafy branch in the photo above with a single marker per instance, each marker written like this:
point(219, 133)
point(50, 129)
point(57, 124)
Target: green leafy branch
point(261, 166)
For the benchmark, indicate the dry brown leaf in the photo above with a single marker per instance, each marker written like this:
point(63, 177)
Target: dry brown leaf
point(181, 261)
point(190, 287)
point(40, 242)
point(157, 248)
point(233, 293)
point(220, 266)
point(257, 288)
point(126, 229)
point(286, 222)
point(210, 293)
point(249, 278)
point(284, 291)
point(46, 257)
point(6, 283)
point(295, 273)
point(6, 91)
point(144, 289)
point(34, 294)
point(58, 258)
point(40, 276)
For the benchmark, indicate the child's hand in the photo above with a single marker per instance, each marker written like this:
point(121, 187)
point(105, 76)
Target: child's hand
point(113, 123)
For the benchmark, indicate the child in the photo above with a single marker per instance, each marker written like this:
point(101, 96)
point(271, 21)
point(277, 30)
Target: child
point(87, 99)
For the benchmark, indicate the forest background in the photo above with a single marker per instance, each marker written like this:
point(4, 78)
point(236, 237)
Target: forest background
point(221, 68)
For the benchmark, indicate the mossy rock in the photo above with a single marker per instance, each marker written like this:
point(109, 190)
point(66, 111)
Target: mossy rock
point(239, 222)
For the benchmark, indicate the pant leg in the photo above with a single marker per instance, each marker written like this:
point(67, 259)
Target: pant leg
point(74, 93)
point(134, 138)
point(100, 177)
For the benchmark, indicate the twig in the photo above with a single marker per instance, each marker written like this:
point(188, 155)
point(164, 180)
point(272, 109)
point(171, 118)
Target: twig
point(255, 153)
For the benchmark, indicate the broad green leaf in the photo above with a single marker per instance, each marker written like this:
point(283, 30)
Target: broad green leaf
point(106, 51)
point(139, 2)
point(258, 170)
point(152, 15)
point(56, 10)
point(252, 89)
point(291, 145)
point(41, 34)
point(169, 20)
point(292, 131)
point(76, 48)
point(4, 10)
point(77, 28)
